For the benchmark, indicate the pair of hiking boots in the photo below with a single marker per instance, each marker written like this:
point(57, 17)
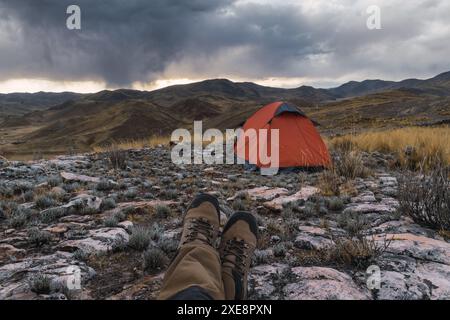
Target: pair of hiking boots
point(237, 244)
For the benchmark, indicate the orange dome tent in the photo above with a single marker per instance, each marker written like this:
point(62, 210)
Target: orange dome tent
point(300, 145)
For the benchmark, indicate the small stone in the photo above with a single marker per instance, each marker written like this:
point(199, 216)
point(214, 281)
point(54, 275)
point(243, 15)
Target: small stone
point(78, 177)
point(304, 193)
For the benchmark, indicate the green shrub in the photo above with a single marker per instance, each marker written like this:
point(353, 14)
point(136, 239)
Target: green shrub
point(54, 181)
point(162, 211)
point(104, 185)
point(140, 238)
point(279, 250)
point(111, 222)
point(108, 203)
point(45, 201)
point(335, 203)
point(154, 259)
point(19, 217)
point(355, 224)
point(40, 284)
point(168, 245)
point(261, 257)
point(38, 237)
point(52, 214)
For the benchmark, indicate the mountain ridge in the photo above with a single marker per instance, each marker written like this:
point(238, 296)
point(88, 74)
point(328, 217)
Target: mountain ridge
point(88, 120)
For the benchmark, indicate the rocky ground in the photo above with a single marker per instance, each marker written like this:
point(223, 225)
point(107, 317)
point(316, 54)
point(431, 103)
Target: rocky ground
point(115, 229)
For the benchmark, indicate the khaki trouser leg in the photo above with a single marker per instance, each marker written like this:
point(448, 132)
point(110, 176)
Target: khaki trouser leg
point(195, 265)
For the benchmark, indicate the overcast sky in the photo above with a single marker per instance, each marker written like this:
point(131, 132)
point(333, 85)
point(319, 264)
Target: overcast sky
point(145, 44)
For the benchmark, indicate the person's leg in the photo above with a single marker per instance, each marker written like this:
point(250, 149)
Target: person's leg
point(238, 243)
point(195, 273)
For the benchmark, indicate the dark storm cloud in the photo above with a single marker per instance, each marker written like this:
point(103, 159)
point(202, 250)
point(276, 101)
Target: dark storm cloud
point(120, 41)
point(142, 40)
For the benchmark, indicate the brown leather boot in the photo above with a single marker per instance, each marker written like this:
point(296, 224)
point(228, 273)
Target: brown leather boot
point(239, 238)
point(197, 262)
point(201, 222)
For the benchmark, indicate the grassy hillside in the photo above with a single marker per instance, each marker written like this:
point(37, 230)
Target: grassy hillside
point(72, 122)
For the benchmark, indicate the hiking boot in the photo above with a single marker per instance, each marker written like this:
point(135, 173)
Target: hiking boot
point(201, 222)
point(238, 243)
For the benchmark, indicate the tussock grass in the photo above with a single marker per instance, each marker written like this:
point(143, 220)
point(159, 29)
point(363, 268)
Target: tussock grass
point(414, 147)
point(134, 143)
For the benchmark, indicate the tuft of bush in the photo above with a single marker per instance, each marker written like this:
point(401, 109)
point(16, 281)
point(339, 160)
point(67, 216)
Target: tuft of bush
point(28, 196)
point(350, 165)
point(110, 222)
point(108, 203)
point(19, 217)
point(426, 198)
point(117, 158)
point(71, 187)
point(168, 245)
point(104, 185)
point(22, 187)
point(140, 238)
point(355, 224)
point(335, 203)
point(130, 194)
point(6, 191)
point(162, 211)
point(169, 194)
point(261, 257)
point(81, 255)
point(120, 216)
point(52, 214)
point(154, 259)
point(156, 232)
point(38, 237)
point(54, 181)
point(280, 250)
point(357, 252)
point(40, 283)
point(45, 201)
point(238, 205)
point(329, 182)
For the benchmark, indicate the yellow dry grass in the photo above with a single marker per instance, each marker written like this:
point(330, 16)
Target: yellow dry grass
point(427, 146)
point(134, 143)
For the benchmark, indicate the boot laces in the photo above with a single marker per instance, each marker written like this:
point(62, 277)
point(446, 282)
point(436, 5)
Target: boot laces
point(238, 249)
point(197, 227)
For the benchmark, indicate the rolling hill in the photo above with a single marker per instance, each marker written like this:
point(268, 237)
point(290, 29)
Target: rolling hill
point(56, 122)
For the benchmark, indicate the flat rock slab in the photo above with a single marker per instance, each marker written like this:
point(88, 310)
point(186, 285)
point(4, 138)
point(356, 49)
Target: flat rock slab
point(78, 177)
point(387, 205)
point(8, 251)
point(426, 281)
point(418, 247)
point(387, 181)
point(86, 200)
point(260, 280)
point(146, 204)
point(97, 241)
point(312, 238)
point(364, 197)
point(15, 277)
point(263, 193)
point(304, 193)
point(318, 283)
